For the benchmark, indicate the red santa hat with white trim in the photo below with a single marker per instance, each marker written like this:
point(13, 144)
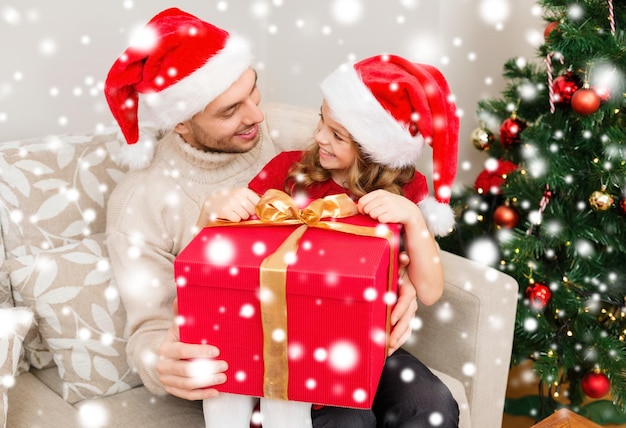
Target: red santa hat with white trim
point(175, 67)
point(392, 108)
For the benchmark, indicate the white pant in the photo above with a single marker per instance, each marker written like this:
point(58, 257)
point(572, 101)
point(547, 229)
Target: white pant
point(235, 411)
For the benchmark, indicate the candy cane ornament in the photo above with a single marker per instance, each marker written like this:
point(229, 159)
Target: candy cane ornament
point(611, 17)
point(543, 203)
point(548, 61)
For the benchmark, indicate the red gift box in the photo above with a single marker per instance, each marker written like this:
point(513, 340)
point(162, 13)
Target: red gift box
point(340, 288)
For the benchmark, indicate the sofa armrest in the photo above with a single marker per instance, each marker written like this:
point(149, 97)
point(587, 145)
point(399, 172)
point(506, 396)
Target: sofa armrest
point(468, 334)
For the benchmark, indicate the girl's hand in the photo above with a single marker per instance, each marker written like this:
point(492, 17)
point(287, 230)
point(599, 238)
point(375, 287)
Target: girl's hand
point(232, 205)
point(386, 207)
point(405, 308)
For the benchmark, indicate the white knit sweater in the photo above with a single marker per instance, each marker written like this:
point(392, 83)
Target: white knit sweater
point(152, 213)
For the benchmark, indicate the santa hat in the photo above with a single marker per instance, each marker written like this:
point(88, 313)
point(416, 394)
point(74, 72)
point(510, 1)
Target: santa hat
point(392, 108)
point(177, 65)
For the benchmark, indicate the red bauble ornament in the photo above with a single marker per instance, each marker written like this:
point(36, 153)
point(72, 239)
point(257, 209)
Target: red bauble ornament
point(621, 205)
point(506, 216)
point(585, 101)
point(539, 295)
point(564, 87)
point(551, 26)
point(595, 384)
point(510, 131)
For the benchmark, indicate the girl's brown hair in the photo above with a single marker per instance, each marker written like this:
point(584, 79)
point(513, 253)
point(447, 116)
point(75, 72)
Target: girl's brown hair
point(364, 176)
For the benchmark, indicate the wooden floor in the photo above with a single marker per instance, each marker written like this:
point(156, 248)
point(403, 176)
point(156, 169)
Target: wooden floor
point(520, 422)
point(523, 383)
point(516, 422)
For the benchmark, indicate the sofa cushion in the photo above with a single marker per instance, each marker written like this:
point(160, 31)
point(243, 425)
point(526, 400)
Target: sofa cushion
point(79, 314)
point(55, 189)
point(139, 408)
point(134, 408)
point(53, 192)
point(33, 404)
point(14, 323)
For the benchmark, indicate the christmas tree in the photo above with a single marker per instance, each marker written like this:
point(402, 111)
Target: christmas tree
point(550, 210)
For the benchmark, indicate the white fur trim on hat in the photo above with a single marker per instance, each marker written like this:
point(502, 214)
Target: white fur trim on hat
point(138, 155)
point(180, 101)
point(439, 217)
point(383, 139)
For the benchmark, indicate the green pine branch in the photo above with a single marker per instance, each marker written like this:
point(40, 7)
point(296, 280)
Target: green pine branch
point(570, 239)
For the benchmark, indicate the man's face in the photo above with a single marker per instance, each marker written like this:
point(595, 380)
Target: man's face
point(229, 123)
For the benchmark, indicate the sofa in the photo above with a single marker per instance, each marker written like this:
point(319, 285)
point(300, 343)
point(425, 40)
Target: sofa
point(62, 350)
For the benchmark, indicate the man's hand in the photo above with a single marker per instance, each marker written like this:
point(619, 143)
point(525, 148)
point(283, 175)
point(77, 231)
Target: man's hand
point(404, 311)
point(187, 370)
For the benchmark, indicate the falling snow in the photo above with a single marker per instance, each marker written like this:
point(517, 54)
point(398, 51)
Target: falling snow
point(70, 94)
point(485, 251)
point(344, 356)
point(69, 98)
point(247, 311)
point(220, 251)
point(93, 415)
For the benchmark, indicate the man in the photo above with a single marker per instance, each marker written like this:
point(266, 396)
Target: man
point(194, 80)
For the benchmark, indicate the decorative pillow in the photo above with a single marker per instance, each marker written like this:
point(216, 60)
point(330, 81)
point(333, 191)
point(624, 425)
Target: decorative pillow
point(54, 189)
point(53, 192)
point(14, 323)
point(79, 314)
point(6, 297)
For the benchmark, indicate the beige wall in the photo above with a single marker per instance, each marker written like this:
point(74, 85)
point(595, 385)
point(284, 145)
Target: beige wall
point(55, 54)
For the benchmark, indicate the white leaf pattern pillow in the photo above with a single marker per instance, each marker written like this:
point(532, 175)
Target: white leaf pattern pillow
point(14, 323)
point(79, 314)
point(53, 192)
point(54, 189)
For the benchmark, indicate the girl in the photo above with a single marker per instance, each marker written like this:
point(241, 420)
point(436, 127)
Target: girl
point(375, 118)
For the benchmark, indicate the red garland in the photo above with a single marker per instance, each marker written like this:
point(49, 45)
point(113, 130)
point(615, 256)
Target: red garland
point(491, 181)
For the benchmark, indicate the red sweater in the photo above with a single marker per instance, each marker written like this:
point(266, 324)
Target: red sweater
point(273, 176)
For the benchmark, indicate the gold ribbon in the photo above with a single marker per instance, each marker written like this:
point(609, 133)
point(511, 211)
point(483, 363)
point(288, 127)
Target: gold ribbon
point(277, 208)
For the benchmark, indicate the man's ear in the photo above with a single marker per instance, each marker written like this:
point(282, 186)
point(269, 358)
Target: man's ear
point(182, 128)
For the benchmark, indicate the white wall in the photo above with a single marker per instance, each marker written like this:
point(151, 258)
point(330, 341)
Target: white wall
point(55, 54)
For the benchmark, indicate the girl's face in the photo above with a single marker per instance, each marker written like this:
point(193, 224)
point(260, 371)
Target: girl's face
point(337, 150)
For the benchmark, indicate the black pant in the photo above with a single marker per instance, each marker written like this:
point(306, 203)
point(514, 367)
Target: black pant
point(413, 399)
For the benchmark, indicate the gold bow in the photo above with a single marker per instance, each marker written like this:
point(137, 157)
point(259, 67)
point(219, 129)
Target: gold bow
point(276, 206)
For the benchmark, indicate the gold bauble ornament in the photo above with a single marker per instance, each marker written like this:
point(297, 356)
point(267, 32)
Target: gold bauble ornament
point(600, 200)
point(482, 138)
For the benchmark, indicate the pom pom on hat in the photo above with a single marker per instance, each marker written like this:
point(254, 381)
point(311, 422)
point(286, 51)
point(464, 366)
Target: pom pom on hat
point(392, 108)
point(439, 216)
point(138, 155)
point(175, 67)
